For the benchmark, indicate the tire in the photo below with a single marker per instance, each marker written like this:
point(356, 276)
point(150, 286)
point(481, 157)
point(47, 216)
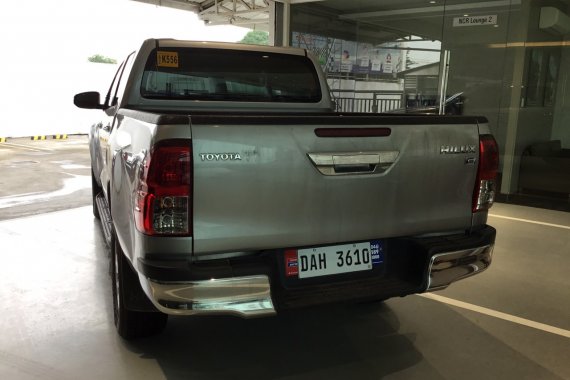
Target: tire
point(95, 189)
point(130, 324)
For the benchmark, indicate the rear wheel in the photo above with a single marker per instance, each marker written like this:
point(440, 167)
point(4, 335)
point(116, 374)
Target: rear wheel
point(130, 324)
point(95, 189)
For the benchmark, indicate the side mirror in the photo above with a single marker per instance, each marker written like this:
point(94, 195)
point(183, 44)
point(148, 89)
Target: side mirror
point(88, 100)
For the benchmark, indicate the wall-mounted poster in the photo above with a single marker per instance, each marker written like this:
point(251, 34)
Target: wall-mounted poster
point(386, 61)
point(363, 60)
point(340, 56)
point(348, 56)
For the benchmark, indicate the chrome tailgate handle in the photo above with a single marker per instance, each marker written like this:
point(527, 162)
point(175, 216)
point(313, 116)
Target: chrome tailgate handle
point(358, 159)
point(353, 162)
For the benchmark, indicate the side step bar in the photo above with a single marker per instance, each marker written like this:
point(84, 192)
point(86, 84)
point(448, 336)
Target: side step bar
point(106, 221)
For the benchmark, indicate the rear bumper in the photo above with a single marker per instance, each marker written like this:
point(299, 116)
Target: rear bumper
point(449, 267)
point(256, 286)
point(243, 296)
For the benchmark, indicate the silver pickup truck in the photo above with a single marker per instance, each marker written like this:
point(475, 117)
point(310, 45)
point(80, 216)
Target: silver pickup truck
point(226, 184)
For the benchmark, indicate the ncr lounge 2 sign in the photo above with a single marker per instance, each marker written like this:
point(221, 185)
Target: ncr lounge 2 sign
point(475, 20)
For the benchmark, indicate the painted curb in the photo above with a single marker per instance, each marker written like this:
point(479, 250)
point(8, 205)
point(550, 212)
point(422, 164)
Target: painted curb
point(43, 137)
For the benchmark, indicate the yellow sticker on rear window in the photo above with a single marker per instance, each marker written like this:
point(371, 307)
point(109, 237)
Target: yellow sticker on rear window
point(167, 59)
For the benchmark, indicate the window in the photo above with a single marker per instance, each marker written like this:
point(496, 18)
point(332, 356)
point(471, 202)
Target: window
point(118, 86)
point(542, 77)
point(120, 90)
point(229, 75)
point(113, 87)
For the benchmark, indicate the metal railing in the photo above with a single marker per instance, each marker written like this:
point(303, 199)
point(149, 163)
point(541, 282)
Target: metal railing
point(367, 101)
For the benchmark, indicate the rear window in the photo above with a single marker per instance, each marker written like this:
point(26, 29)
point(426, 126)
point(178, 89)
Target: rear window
point(232, 75)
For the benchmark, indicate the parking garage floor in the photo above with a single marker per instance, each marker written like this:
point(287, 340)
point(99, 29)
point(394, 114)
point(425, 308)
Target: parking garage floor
point(510, 322)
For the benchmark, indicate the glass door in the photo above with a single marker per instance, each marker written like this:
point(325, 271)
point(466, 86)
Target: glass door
point(378, 56)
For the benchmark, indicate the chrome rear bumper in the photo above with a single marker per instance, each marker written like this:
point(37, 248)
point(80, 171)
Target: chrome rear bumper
point(446, 268)
point(250, 295)
point(242, 296)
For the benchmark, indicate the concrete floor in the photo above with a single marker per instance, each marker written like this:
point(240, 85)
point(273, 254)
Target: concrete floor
point(56, 320)
point(42, 176)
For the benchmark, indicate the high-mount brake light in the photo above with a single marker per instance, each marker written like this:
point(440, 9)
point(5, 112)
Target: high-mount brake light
point(485, 185)
point(164, 194)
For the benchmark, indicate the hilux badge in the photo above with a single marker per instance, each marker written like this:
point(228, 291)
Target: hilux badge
point(457, 149)
point(220, 156)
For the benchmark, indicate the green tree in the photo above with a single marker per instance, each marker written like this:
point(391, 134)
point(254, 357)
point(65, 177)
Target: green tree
point(98, 58)
point(256, 37)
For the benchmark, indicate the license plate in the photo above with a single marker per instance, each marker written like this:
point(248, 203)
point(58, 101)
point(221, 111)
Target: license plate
point(335, 259)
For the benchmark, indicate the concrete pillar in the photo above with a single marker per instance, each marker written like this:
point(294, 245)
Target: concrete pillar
point(286, 24)
point(280, 23)
point(271, 23)
point(511, 160)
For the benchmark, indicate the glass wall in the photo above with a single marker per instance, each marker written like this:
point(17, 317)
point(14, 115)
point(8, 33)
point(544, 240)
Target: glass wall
point(378, 56)
point(508, 60)
point(534, 125)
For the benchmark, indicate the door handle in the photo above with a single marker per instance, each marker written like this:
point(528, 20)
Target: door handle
point(353, 162)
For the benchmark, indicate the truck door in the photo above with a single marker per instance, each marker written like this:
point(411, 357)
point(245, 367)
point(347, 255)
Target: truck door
point(109, 123)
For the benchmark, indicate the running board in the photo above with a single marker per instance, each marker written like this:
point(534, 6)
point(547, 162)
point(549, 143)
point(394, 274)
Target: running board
point(106, 220)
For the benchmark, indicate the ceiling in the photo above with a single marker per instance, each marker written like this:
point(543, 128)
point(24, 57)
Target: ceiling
point(374, 20)
point(253, 14)
point(382, 21)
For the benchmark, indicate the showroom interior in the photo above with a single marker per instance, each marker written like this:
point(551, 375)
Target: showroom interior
point(506, 60)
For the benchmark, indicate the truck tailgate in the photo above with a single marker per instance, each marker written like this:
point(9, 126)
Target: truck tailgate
point(271, 182)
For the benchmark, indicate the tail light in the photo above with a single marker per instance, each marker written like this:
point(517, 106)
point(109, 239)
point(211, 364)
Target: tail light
point(164, 193)
point(485, 185)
